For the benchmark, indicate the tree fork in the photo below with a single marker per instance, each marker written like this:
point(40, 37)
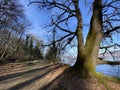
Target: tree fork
point(86, 59)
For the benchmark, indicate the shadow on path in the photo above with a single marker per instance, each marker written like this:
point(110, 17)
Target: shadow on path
point(54, 85)
point(73, 81)
point(10, 76)
point(28, 82)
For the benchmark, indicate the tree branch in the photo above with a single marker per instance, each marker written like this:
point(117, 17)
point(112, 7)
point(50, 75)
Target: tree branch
point(112, 30)
point(65, 30)
point(65, 19)
point(110, 46)
point(47, 3)
point(105, 47)
point(108, 4)
point(108, 62)
point(69, 41)
point(58, 40)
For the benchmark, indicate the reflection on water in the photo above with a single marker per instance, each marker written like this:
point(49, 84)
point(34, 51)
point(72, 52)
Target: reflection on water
point(109, 70)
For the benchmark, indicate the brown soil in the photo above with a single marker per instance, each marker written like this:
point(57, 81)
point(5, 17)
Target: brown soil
point(73, 82)
point(67, 81)
point(11, 68)
point(21, 76)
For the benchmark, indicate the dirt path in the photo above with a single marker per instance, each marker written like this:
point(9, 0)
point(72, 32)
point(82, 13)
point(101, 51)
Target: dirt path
point(29, 79)
point(46, 77)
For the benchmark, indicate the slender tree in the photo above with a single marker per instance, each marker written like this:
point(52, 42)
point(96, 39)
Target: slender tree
point(39, 48)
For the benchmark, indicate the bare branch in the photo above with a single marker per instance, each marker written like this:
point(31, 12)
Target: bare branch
point(65, 30)
point(69, 41)
point(54, 4)
point(105, 47)
point(112, 30)
point(59, 39)
point(108, 62)
point(108, 4)
point(65, 19)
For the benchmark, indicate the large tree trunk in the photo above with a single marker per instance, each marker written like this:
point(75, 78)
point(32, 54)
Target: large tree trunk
point(87, 55)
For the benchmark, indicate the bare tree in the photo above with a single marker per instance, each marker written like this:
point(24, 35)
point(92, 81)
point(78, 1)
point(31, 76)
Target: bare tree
point(101, 27)
point(54, 49)
point(13, 24)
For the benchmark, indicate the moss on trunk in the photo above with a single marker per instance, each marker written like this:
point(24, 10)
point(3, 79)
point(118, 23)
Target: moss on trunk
point(88, 53)
point(83, 66)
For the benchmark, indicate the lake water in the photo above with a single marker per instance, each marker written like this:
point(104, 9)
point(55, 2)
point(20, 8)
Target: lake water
point(109, 70)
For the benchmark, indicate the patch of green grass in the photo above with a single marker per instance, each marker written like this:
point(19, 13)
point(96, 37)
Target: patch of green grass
point(101, 80)
point(113, 79)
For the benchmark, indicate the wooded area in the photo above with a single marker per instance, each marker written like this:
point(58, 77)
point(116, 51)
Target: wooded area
point(15, 44)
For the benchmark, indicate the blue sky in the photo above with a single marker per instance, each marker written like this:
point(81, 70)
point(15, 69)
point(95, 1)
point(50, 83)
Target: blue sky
point(40, 18)
point(37, 18)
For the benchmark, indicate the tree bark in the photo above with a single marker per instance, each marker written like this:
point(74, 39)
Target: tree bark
point(87, 54)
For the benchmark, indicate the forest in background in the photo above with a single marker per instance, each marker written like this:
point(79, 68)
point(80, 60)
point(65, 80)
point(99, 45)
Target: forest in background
point(15, 44)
